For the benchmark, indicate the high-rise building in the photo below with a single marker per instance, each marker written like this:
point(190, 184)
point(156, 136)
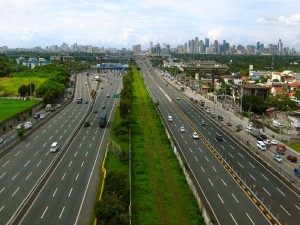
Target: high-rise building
point(196, 45)
point(206, 42)
point(280, 47)
point(151, 47)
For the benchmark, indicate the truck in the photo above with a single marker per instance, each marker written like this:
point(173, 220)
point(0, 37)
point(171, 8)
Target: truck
point(255, 132)
point(102, 119)
point(280, 149)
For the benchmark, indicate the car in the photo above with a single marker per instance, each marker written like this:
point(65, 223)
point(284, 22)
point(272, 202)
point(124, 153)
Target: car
point(19, 126)
point(208, 110)
point(58, 105)
point(95, 110)
point(36, 116)
point(229, 124)
point(278, 158)
point(86, 123)
point(170, 119)
point(54, 147)
point(195, 135)
point(101, 87)
point(203, 123)
point(263, 136)
point(86, 102)
point(177, 98)
point(52, 109)
point(43, 116)
point(249, 128)
point(292, 158)
point(274, 142)
point(107, 96)
point(103, 106)
point(267, 142)
point(182, 129)
point(1, 140)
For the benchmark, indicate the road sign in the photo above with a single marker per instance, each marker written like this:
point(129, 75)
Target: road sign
point(116, 95)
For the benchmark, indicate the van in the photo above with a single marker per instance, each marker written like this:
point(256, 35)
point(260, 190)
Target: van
point(54, 147)
point(261, 145)
point(219, 137)
point(170, 119)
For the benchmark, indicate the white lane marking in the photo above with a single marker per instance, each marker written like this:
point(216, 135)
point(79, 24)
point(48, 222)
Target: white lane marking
point(54, 192)
point(80, 145)
point(230, 155)
point(241, 155)
point(61, 213)
point(223, 182)
point(17, 153)
point(240, 164)
point(220, 198)
point(250, 219)
point(60, 137)
point(28, 176)
point(195, 142)
point(1, 208)
point(295, 206)
point(235, 198)
point(214, 169)
point(70, 163)
point(185, 142)
point(233, 219)
point(285, 210)
point(27, 145)
point(200, 150)
point(56, 131)
point(251, 176)
point(86, 154)
point(75, 154)
point(2, 175)
point(69, 125)
point(61, 126)
point(65, 131)
point(222, 146)
point(77, 177)
point(63, 177)
point(5, 163)
point(210, 182)
point(50, 138)
point(2, 190)
point(90, 145)
point(38, 163)
point(15, 192)
point(267, 192)
point(251, 164)
point(231, 146)
point(43, 131)
point(44, 144)
point(82, 163)
point(93, 138)
point(202, 169)
point(280, 191)
point(206, 158)
point(36, 153)
point(190, 150)
point(27, 163)
point(44, 212)
point(264, 176)
point(96, 131)
point(70, 192)
point(87, 131)
point(196, 158)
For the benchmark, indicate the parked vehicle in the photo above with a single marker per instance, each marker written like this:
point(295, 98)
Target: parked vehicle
point(292, 158)
point(43, 116)
point(48, 107)
point(261, 145)
point(274, 142)
point(297, 172)
point(255, 133)
point(263, 136)
point(220, 118)
point(267, 142)
point(102, 119)
point(27, 125)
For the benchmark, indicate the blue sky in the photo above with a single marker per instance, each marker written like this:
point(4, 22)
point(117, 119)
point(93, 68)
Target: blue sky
point(122, 23)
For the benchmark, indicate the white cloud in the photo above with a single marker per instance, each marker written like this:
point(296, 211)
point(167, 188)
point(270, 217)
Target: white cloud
point(293, 20)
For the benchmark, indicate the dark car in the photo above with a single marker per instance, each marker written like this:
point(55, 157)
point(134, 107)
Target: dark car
point(86, 123)
point(36, 116)
point(292, 158)
point(95, 110)
point(263, 136)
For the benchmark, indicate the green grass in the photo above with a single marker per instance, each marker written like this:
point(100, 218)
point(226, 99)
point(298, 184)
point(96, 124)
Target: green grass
point(11, 107)
point(160, 192)
point(12, 84)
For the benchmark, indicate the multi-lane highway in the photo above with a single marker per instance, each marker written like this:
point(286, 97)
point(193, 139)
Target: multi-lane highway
point(229, 202)
point(62, 199)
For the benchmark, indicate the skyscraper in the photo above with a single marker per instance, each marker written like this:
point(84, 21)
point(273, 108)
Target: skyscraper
point(280, 47)
point(206, 42)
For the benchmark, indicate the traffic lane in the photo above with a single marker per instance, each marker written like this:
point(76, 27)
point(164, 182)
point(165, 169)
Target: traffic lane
point(208, 164)
point(59, 202)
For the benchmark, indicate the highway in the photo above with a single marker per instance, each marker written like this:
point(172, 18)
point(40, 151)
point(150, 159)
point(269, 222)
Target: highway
point(229, 202)
point(25, 166)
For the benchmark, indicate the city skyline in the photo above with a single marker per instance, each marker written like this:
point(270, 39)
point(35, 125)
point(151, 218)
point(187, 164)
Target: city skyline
point(126, 23)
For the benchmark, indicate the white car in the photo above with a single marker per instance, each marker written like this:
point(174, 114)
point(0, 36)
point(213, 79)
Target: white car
point(43, 116)
point(19, 126)
point(195, 135)
point(274, 142)
point(1, 140)
point(58, 105)
point(177, 98)
point(278, 158)
point(182, 129)
point(267, 142)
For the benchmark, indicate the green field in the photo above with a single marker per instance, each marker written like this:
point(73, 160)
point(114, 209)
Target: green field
point(160, 192)
point(12, 84)
point(11, 107)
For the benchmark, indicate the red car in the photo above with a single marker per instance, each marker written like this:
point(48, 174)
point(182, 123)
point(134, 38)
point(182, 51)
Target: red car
point(292, 158)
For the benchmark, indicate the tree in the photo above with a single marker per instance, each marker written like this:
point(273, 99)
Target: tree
point(30, 88)
point(23, 90)
point(254, 103)
point(20, 132)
